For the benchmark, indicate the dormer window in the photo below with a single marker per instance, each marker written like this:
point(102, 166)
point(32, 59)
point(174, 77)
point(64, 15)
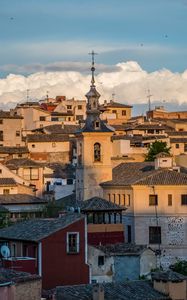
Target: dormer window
point(97, 124)
point(97, 152)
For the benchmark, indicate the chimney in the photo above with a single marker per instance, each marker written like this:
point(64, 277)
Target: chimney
point(98, 292)
point(171, 283)
point(163, 160)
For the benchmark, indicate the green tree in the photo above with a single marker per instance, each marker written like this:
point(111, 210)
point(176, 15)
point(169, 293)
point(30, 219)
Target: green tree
point(180, 267)
point(156, 148)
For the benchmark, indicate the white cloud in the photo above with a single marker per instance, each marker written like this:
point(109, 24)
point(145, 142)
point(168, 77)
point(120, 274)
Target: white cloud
point(127, 80)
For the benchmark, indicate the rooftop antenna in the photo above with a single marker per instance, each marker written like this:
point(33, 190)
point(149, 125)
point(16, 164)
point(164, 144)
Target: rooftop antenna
point(149, 99)
point(93, 66)
point(47, 96)
point(28, 95)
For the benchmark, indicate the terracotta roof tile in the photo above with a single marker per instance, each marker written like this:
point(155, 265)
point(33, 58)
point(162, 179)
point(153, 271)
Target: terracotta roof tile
point(38, 229)
point(134, 290)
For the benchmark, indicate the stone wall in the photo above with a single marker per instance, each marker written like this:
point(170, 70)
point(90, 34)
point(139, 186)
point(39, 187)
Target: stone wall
point(28, 290)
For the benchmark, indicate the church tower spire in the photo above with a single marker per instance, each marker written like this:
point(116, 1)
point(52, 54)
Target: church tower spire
point(93, 95)
point(94, 147)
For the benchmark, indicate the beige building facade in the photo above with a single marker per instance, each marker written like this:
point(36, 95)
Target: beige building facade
point(10, 130)
point(156, 202)
point(115, 113)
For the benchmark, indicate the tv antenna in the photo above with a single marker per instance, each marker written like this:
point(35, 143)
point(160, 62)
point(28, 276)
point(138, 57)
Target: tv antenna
point(28, 95)
point(149, 99)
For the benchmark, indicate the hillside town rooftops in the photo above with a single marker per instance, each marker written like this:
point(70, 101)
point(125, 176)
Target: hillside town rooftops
point(128, 173)
point(99, 204)
point(150, 126)
point(43, 138)
point(178, 120)
point(144, 173)
point(122, 249)
point(176, 133)
point(134, 290)
point(61, 129)
point(16, 163)
point(13, 150)
point(11, 276)
point(115, 104)
point(3, 209)
point(20, 199)
point(8, 115)
point(7, 182)
point(163, 177)
point(38, 229)
point(178, 140)
point(169, 275)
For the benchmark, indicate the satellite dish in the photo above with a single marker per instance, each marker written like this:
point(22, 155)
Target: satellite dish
point(5, 251)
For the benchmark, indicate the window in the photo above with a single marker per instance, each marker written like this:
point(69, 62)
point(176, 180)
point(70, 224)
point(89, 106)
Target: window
point(6, 191)
point(17, 133)
point(185, 147)
point(1, 121)
point(155, 235)
point(97, 152)
point(13, 250)
point(114, 111)
point(153, 200)
point(109, 199)
point(0, 171)
point(169, 200)
point(123, 112)
point(31, 174)
point(69, 118)
point(97, 124)
point(119, 199)
point(42, 118)
point(34, 174)
point(123, 200)
point(69, 181)
point(129, 234)
point(177, 146)
point(128, 202)
point(69, 106)
point(79, 117)
point(33, 145)
point(72, 242)
point(79, 106)
point(54, 119)
point(183, 199)
point(150, 131)
point(101, 260)
point(114, 198)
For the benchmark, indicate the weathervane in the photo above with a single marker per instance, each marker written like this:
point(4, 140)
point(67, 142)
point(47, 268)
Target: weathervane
point(93, 67)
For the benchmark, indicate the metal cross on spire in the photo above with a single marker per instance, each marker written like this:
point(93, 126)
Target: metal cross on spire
point(93, 67)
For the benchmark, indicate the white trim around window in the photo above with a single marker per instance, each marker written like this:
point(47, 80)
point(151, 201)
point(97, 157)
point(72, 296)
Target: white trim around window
point(72, 242)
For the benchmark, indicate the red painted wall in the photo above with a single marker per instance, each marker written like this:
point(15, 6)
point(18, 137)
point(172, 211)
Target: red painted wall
point(97, 238)
point(59, 267)
point(22, 265)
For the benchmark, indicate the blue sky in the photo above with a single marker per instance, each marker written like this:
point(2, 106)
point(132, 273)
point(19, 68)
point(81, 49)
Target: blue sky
point(153, 33)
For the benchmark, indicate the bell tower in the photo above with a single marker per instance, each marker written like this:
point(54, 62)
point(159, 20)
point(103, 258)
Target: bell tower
point(94, 148)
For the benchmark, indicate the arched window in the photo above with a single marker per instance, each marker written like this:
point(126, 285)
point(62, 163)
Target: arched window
point(97, 152)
